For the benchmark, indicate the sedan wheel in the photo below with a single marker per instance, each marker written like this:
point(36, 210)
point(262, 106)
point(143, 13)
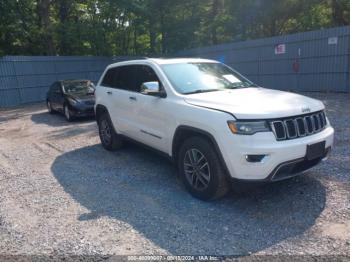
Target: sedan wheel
point(49, 107)
point(67, 113)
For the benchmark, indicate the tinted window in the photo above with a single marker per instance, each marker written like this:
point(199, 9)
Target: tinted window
point(125, 78)
point(108, 78)
point(120, 77)
point(129, 77)
point(56, 87)
point(144, 74)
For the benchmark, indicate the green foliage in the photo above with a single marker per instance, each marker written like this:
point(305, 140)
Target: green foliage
point(153, 27)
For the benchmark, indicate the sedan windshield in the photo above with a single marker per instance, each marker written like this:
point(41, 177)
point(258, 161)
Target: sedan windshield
point(191, 78)
point(78, 87)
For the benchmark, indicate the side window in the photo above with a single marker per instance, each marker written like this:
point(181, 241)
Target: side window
point(144, 73)
point(56, 88)
point(52, 87)
point(109, 76)
point(121, 77)
point(59, 88)
point(125, 78)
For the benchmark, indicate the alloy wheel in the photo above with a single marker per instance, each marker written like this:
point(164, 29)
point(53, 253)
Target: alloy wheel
point(197, 169)
point(105, 131)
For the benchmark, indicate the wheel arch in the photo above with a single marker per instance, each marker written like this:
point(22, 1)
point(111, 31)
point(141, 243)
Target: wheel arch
point(66, 103)
point(100, 109)
point(183, 132)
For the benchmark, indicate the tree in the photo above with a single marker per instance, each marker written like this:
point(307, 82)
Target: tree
point(154, 27)
point(45, 28)
point(340, 12)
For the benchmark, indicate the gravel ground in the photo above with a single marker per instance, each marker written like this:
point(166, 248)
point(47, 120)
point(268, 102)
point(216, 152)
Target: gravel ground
point(61, 193)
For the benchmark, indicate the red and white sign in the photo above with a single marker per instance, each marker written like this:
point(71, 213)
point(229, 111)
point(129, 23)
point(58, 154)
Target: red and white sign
point(280, 49)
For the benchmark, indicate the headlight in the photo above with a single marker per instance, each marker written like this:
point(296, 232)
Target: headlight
point(72, 101)
point(249, 127)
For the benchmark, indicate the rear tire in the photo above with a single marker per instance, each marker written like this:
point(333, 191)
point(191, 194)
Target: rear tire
point(110, 140)
point(201, 170)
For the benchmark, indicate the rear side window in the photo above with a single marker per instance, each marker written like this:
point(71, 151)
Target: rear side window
point(108, 78)
point(51, 87)
point(55, 88)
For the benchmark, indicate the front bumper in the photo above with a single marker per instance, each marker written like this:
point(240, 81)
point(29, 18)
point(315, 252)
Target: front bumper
point(82, 111)
point(283, 159)
point(292, 168)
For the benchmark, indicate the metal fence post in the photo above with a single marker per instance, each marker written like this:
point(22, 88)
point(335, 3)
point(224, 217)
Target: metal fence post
point(19, 95)
point(348, 67)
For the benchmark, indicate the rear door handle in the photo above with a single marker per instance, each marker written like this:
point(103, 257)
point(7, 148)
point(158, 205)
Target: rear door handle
point(109, 93)
point(132, 98)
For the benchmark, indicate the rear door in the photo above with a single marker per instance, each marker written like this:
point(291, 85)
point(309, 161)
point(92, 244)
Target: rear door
point(118, 85)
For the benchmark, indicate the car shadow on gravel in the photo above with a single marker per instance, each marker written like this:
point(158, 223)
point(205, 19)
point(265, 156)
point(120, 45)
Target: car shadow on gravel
point(140, 188)
point(57, 120)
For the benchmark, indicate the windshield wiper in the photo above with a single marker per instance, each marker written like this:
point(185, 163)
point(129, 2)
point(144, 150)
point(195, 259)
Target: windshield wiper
point(199, 91)
point(242, 85)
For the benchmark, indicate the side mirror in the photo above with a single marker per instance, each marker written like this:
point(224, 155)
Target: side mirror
point(152, 89)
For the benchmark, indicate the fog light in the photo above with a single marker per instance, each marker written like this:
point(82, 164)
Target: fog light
point(254, 158)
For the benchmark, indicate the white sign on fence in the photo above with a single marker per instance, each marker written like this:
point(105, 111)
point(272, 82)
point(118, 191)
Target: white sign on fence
point(333, 40)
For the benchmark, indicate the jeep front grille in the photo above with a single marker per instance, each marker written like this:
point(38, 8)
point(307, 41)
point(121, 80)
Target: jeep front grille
point(300, 126)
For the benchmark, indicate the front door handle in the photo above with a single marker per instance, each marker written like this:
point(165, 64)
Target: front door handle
point(109, 93)
point(132, 98)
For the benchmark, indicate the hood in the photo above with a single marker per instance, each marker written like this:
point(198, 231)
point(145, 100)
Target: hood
point(256, 103)
point(82, 97)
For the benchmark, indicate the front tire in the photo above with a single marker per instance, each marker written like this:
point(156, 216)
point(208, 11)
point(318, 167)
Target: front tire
point(49, 107)
point(67, 113)
point(201, 170)
point(109, 138)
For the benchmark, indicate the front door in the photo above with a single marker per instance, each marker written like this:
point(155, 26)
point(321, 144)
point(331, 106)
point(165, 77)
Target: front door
point(150, 114)
point(57, 97)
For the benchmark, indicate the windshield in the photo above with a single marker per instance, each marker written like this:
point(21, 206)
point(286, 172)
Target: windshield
point(78, 87)
point(190, 78)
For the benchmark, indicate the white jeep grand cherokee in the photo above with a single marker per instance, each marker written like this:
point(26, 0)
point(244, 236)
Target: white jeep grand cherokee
point(215, 124)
